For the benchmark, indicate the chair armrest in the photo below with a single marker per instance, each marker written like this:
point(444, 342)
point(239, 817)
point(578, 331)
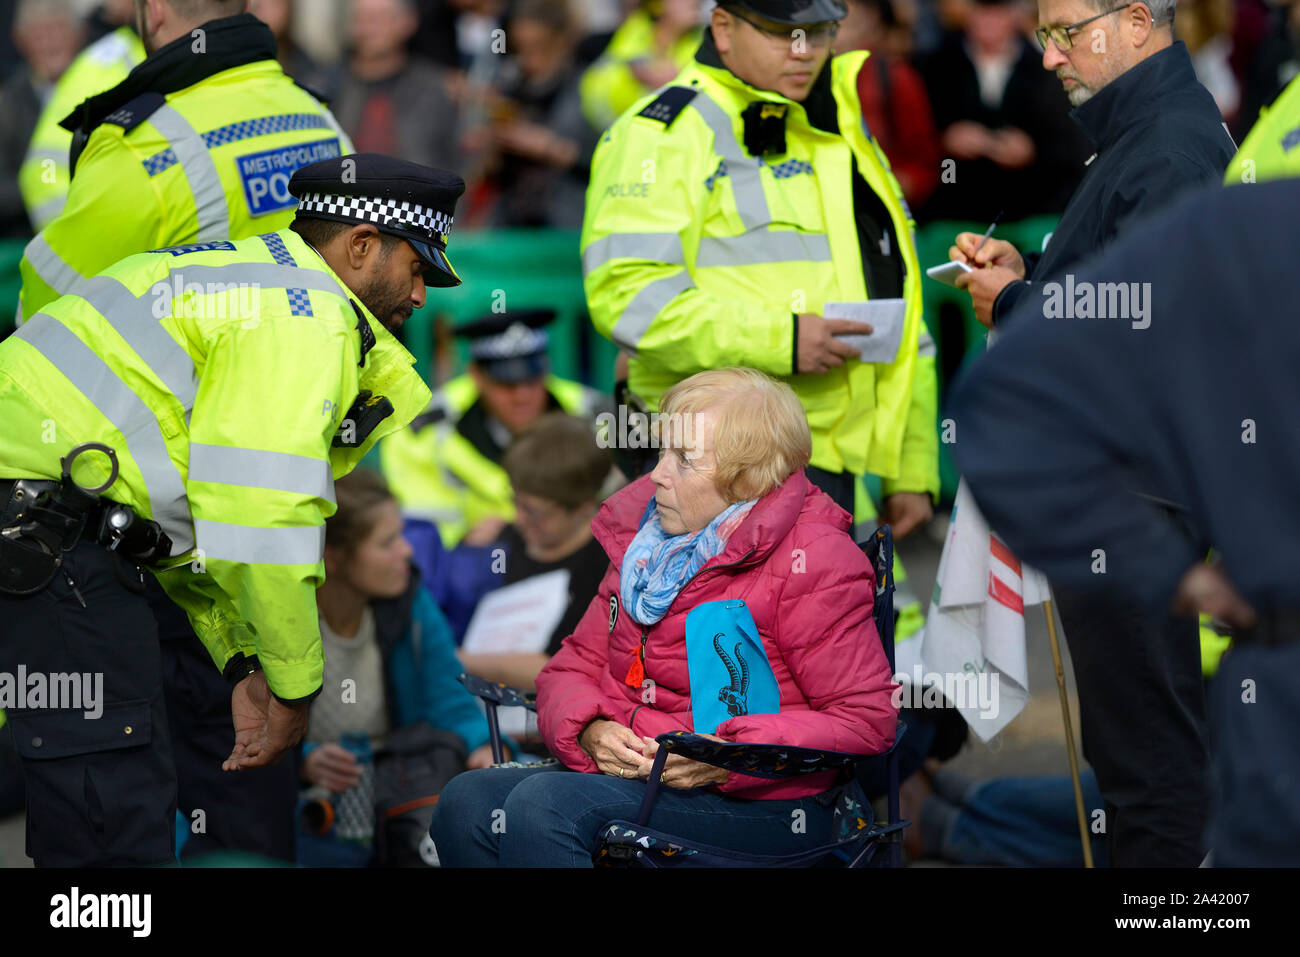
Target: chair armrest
point(499, 693)
point(774, 761)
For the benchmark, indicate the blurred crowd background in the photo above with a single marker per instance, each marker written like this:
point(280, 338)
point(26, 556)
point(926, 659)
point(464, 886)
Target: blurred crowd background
point(514, 93)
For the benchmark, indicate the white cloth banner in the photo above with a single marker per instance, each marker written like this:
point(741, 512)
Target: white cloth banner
point(972, 649)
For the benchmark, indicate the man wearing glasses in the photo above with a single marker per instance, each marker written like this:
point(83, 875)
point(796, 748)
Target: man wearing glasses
point(1156, 130)
point(1157, 134)
point(727, 209)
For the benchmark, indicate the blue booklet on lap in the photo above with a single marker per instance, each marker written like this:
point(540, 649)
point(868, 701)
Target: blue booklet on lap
point(730, 673)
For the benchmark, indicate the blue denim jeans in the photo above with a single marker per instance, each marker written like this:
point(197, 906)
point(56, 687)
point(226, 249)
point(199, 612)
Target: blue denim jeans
point(553, 817)
point(1010, 822)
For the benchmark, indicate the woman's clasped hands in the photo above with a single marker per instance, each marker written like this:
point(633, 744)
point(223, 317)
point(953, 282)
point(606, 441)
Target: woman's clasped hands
point(620, 752)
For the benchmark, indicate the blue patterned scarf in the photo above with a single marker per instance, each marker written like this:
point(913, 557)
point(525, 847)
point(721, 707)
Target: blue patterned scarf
point(658, 565)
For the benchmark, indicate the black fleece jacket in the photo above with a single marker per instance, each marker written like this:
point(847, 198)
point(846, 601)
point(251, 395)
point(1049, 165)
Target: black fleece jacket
point(1158, 135)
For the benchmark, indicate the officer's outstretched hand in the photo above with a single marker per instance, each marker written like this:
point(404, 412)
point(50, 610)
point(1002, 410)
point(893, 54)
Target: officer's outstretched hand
point(818, 350)
point(264, 727)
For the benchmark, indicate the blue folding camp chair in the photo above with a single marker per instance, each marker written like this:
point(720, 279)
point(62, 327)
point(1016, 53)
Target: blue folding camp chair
point(855, 835)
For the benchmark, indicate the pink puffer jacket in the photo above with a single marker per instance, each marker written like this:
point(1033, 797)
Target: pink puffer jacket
point(810, 591)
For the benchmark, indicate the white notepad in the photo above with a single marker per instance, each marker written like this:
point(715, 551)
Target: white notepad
point(886, 319)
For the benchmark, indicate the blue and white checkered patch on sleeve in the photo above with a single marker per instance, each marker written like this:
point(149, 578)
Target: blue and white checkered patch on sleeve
point(299, 302)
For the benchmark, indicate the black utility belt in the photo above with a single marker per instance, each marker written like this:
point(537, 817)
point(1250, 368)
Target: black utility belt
point(41, 520)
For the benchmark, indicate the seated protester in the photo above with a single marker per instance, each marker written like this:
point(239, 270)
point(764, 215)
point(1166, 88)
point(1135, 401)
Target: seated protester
point(557, 470)
point(727, 516)
point(389, 665)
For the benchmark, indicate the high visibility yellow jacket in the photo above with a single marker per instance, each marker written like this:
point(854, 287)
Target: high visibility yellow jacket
point(608, 86)
point(444, 469)
point(210, 160)
point(45, 173)
point(221, 374)
point(696, 254)
point(1271, 150)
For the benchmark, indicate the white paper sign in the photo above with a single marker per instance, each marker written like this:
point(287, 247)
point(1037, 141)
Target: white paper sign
point(886, 318)
point(519, 618)
point(976, 624)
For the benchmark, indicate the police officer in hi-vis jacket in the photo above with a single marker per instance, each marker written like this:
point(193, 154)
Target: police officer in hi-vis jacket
point(188, 410)
point(728, 208)
point(196, 144)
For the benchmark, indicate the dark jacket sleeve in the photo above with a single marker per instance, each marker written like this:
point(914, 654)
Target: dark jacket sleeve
point(1152, 181)
point(1063, 422)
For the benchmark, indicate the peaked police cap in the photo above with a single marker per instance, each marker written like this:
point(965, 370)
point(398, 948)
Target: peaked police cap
point(414, 202)
point(793, 12)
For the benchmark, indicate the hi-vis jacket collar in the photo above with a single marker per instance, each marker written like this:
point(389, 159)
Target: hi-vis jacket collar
point(819, 106)
point(386, 367)
point(227, 43)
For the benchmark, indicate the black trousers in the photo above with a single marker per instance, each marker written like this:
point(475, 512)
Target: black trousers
point(250, 811)
point(12, 793)
point(1143, 714)
point(1255, 710)
point(101, 790)
point(838, 485)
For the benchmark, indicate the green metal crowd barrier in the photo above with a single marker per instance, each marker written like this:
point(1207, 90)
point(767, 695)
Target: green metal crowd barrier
point(11, 281)
point(514, 270)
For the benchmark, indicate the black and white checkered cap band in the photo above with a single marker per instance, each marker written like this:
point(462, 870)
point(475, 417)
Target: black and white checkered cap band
point(382, 212)
point(516, 342)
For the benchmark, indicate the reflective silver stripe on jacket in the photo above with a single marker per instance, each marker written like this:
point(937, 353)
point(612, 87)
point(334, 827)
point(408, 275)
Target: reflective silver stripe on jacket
point(49, 265)
point(251, 545)
point(120, 405)
point(345, 141)
point(200, 172)
point(38, 153)
point(255, 468)
point(264, 276)
point(134, 320)
point(761, 246)
point(657, 247)
point(44, 213)
point(645, 305)
point(743, 170)
point(925, 343)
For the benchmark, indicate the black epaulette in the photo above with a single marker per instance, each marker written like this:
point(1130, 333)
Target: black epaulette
point(666, 107)
point(424, 419)
point(134, 112)
point(367, 334)
point(128, 116)
point(316, 94)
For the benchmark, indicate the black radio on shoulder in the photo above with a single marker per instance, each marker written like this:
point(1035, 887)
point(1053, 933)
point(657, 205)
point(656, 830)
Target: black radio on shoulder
point(764, 128)
point(361, 419)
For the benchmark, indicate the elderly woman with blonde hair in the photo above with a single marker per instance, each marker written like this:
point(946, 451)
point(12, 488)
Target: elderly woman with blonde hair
point(728, 517)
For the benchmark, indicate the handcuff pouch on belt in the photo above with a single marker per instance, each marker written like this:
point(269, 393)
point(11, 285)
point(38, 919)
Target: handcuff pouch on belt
point(43, 519)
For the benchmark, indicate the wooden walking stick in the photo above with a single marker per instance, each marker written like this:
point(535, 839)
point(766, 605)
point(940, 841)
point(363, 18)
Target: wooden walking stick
point(1069, 733)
